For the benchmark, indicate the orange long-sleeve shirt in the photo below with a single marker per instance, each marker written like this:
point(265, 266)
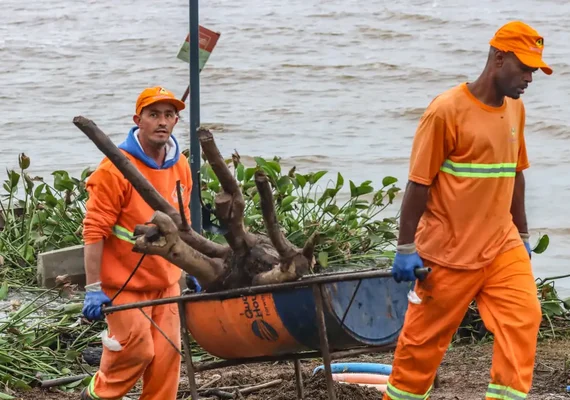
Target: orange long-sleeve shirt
point(114, 208)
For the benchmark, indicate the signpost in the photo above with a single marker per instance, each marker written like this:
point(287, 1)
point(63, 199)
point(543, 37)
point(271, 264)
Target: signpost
point(196, 50)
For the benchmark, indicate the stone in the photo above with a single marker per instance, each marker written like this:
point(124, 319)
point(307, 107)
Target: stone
point(67, 261)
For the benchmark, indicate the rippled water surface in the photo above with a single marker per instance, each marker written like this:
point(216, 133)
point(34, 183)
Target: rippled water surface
point(335, 85)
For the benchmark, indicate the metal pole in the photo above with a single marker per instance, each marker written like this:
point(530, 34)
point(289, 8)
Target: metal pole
point(299, 380)
point(195, 152)
point(325, 350)
point(187, 352)
point(251, 290)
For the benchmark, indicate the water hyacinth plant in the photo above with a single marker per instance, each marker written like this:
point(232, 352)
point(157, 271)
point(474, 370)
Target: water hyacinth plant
point(37, 216)
point(352, 233)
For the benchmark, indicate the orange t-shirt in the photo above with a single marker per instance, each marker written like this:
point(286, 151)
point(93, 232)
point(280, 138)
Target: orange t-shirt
point(469, 153)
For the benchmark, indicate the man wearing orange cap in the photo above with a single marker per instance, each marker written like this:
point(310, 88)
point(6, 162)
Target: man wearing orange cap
point(463, 215)
point(137, 349)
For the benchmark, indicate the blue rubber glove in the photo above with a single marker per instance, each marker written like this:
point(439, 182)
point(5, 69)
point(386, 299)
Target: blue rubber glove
point(526, 240)
point(193, 284)
point(94, 300)
point(405, 263)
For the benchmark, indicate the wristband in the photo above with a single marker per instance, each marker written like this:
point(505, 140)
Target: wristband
point(409, 248)
point(93, 287)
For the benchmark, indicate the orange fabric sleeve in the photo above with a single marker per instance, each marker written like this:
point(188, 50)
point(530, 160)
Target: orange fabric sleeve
point(432, 144)
point(106, 196)
point(522, 160)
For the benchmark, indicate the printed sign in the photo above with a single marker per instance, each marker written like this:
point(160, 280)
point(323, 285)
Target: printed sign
point(207, 40)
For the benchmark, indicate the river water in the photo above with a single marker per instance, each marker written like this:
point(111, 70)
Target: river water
point(335, 85)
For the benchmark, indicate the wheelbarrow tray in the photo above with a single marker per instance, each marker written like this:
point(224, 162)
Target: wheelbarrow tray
point(363, 312)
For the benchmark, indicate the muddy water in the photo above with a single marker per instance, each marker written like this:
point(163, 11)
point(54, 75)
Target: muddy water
point(336, 85)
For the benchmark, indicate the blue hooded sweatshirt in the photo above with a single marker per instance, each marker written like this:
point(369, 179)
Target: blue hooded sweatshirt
point(132, 145)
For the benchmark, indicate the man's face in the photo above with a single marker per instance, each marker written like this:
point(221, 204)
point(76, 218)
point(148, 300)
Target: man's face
point(156, 123)
point(513, 77)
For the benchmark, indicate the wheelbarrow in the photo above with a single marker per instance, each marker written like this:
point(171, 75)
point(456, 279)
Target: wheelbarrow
point(332, 316)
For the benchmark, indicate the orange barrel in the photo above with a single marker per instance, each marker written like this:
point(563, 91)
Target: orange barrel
point(285, 322)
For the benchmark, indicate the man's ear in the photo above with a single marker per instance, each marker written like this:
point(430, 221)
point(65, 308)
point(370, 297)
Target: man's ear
point(500, 58)
point(136, 119)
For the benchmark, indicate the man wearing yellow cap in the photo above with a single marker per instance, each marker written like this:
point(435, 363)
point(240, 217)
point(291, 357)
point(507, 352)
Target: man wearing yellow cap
point(463, 215)
point(137, 349)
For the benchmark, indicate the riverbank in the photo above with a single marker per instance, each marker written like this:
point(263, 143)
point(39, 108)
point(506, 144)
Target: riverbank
point(464, 374)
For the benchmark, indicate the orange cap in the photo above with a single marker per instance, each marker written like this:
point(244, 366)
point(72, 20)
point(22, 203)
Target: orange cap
point(524, 41)
point(152, 95)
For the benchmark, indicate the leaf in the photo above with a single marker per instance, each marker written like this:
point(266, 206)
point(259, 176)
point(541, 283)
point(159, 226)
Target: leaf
point(301, 180)
point(274, 166)
point(72, 354)
point(260, 161)
point(339, 181)
point(5, 396)
point(552, 308)
point(392, 193)
point(72, 308)
point(364, 189)
point(323, 258)
point(353, 191)
point(542, 244)
point(389, 180)
point(240, 170)
point(283, 183)
point(314, 178)
point(39, 190)
point(288, 200)
point(567, 303)
point(62, 182)
point(249, 172)
point(333, 209)
point(51, 200)
point(13, 179)
point(4, 290)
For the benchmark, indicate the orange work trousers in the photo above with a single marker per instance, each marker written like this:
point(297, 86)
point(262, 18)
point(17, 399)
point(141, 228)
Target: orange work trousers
point(145, 351)
point(506, 296)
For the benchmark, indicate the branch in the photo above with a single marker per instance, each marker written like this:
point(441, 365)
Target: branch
point(230, 204)
point(163, 240)
point(185, 227)
point(309, 248)
point(217, 162)
point(149, 194)
point(282, 245)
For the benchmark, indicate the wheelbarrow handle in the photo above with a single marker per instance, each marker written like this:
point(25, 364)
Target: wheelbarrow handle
point(422, 273)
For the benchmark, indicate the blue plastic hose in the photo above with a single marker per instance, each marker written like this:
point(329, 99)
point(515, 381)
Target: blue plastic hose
point(370, 368)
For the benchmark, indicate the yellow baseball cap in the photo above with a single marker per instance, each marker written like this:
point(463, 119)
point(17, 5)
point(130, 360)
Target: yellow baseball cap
point(155, 94)
point(524, 41)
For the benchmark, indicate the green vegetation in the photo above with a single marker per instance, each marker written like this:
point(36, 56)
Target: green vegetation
point(42, 336)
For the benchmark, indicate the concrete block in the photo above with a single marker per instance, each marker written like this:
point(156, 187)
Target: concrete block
point(66, 261)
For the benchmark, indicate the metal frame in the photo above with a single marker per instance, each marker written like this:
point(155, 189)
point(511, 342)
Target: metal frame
point(325, 352)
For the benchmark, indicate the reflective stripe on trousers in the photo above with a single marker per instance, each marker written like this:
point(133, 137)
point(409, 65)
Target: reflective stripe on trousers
point(397, 394)
point(469, 170)
point(504, 393)
point(123, 234)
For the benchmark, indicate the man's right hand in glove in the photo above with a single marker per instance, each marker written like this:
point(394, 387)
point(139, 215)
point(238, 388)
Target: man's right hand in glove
point(94, 301)
point(405, 263)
